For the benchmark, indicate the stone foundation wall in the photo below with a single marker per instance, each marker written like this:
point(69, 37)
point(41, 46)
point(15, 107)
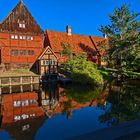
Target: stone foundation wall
point(9, 66)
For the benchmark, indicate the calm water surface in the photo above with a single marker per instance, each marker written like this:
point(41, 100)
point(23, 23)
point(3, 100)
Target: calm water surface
point(53, 112)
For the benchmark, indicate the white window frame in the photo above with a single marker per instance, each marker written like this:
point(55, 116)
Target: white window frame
point(23, 25)
point(28, 37)
point(12, 37)
point(20, 25)
point(32, 38)
point(24, 37)
point(16, 36)
point(20, 37)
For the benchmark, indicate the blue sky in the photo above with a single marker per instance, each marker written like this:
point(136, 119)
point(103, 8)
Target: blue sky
point(85, 16)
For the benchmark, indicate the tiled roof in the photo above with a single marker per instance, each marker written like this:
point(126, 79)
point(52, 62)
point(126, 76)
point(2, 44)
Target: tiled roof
point(20, 15)
point(79, 43)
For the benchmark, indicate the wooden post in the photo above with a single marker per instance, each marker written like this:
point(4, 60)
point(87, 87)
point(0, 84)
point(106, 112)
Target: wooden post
point(21, 84)
point(31, 83)
point(31, 87)
point(10, 84)
point(31, 79)
point(0, 87)
point(21, 88)
point(21, 80)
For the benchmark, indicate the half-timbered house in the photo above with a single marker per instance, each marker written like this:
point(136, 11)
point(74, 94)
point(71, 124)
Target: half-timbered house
point(47, 62)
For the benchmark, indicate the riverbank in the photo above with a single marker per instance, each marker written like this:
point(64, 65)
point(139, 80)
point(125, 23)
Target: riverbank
point(120, 74)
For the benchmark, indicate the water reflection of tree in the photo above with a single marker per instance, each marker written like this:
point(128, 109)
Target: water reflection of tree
point(79, 97)
point(69, 99)
point(83, 94)
point(125, 104)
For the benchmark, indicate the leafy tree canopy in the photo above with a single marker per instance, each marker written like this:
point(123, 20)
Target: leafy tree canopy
point(124, 37)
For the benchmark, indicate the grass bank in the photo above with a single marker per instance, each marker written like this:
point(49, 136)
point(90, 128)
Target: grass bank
point(17, 72)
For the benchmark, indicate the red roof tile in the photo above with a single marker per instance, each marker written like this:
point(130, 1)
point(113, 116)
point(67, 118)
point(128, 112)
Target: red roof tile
point(79, 43)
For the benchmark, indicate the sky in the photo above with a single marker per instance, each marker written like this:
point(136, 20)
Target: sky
point(84, 16)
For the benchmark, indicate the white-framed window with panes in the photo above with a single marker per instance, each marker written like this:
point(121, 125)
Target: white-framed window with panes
point(21, 25)
point(20, 37)
point(30, 38)
point(12, 37)
point(24, 37)
point(16, 36)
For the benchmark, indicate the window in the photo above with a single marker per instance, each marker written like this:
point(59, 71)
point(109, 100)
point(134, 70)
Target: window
point(29, 52)
point(32, 52)
point(16, 37)
point(47, 62)
point(21, 25)
point(28, 38)
point(17, 103)
point(12, 52)
point(12, 36)
point(24, 37)
point(16, 52)
point(21, 52)
point(20, 37)
point(31, 38)
point(24, 52)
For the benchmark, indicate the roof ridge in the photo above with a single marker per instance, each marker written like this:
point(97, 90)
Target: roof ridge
point(75, 34)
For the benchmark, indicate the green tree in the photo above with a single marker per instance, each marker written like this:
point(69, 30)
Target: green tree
point(124, 39)
point(66, 50)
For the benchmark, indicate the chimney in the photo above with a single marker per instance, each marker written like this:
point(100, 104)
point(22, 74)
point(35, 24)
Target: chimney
point(69, 30)
point(105, 35)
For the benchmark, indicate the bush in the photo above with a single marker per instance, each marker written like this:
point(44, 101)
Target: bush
point(83, 71)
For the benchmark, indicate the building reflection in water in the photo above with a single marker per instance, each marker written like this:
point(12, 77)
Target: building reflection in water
point(22, 114)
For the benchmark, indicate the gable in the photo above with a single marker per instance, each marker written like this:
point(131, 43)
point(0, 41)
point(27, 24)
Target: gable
point(47, 54)
point(20, 20)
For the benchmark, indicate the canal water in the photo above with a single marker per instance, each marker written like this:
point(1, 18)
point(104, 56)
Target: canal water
point(55, 112)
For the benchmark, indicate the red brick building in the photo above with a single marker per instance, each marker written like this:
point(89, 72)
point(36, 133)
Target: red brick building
point(22, 40)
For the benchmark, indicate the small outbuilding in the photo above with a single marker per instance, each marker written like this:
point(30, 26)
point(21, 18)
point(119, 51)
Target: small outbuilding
point(47, 62)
